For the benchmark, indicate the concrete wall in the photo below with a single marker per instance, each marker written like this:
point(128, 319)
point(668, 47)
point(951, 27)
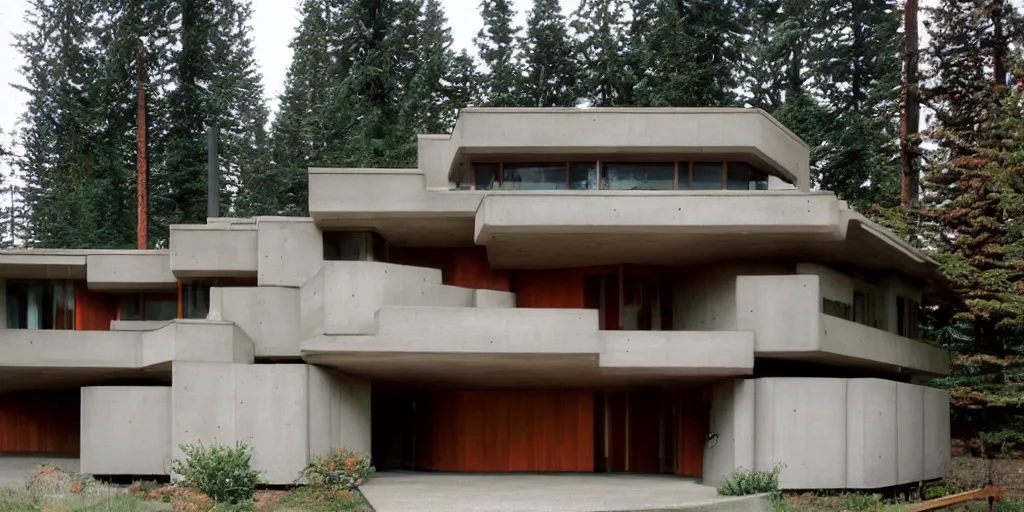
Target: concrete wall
point(867, 344)
point(339, 412)
point(627, 211)
point(216, 249)
point(785, 314)
point(126, 430)
point(135, 270)
point(286, 412)
point(704, 298)
point(871, 447)
point(290, 250)
point(782, 311)
point(269, 315)
point(494, 299)
point(487, 330)
point(178, 340)
point(801, 423)
point(686, 352)
point(345, 295)
point(732, 425)
point(841, 433)
point(833, 285)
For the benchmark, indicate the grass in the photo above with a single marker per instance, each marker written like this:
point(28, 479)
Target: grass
point(53, 490)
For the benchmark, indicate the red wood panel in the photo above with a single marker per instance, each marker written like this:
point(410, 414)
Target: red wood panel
point(550, 288)
point(467, 267)
point(496, 431)
point(93, 311)
point(40, 422)
point(693, 431)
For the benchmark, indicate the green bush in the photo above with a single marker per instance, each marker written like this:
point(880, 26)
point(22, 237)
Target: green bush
point(340, 469)
point(859, 501)
point(743, 483)
point(223, 473)
point(930, 493)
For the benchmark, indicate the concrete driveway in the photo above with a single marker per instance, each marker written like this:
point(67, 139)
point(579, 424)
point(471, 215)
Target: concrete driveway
point(520, 492)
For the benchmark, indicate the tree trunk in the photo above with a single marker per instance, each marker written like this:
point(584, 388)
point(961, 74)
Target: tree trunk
point(142, 171)
point(911, 107)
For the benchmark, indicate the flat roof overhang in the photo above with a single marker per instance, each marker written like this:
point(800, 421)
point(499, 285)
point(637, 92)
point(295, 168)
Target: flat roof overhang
point(628, 131)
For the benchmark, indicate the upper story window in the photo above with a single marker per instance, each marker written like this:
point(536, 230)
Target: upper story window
point(40, 304)
point(906, 317)
point(611, 175)
point(147, 306)
point(354, 246)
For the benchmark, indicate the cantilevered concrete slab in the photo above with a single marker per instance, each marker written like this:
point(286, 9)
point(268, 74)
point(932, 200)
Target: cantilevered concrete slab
point(130, 271)
point(490, 132)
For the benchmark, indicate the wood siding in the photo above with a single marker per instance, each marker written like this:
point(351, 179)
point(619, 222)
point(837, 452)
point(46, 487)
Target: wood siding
point(93, 311)
point(467, 267)
point(40, 422)
point(502, 431)
point(550, 288)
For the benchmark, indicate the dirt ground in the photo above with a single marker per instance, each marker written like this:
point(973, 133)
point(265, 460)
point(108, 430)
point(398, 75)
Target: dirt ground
point(968, 473)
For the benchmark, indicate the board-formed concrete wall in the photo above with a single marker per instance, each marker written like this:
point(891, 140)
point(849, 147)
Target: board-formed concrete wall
point(286, 412)
point(126, 430)
point(837, 433)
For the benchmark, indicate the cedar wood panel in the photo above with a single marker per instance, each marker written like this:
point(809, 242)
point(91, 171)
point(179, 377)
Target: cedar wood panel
point(40, 422)
point(499, 431)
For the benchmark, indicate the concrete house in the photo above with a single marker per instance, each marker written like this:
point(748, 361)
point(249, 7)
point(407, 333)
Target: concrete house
point(550, 290)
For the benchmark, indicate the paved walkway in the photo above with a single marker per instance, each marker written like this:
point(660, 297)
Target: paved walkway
point(518, 492)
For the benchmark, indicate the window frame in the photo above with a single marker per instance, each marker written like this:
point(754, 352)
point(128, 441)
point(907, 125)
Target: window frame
point(683, 174)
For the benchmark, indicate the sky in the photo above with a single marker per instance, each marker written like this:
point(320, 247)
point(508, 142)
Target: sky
point(273, 23)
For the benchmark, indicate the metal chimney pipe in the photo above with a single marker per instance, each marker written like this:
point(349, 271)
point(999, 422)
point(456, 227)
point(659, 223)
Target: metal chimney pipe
point(212, 174)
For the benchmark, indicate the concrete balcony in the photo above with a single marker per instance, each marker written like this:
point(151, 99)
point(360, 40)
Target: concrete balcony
point(523, 346)
point(344, 296)
point(784, 312)
point(130, 270)
point(219, 248)
point(42, 358)
point(683, 353)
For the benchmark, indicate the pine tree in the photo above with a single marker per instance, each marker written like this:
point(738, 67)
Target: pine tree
point(300, 132)
point(974, 199)
point(548, 58)
point(856, 70)
point(496, 44)
point(692, 54)
point(606, 78)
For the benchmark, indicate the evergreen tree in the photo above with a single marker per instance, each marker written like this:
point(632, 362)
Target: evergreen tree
point(606, 78)
point(300, 132)
point(496, 45)
point(692, 54)
point(974, 199)
point(548, 58)
point(856, 70)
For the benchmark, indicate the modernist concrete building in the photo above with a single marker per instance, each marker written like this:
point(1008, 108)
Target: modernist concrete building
point(586, 290)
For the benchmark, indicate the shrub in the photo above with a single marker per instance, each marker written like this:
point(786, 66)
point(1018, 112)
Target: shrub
point(743, 483)
point(930, 493)
point(859, 501)
point(341, 469)
point(223, 473)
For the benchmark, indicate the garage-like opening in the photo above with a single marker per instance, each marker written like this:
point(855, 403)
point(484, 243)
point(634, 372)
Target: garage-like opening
point(646, 430)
